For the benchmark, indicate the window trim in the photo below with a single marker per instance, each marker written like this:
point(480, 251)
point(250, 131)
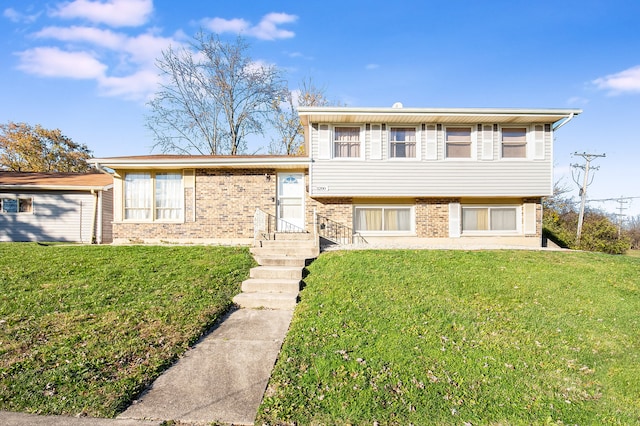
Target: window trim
point(412, 212)
point(528, 142)
point(519, 220)
point(474, 142)
point(152, 182)
point(418, 130)
point(18, 199)
point(332, 141)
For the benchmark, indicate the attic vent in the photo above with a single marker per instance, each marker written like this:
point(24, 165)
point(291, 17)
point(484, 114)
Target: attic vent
point(397, 105)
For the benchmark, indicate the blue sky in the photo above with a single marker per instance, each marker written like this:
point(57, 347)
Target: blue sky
point(87, 67)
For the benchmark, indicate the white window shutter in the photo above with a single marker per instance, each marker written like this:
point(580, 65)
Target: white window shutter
point(487, 142)
point(324, 142)
point(530, 221)
point(538, 142)
point(432, 142)
point(454, 220)
point(376, 142)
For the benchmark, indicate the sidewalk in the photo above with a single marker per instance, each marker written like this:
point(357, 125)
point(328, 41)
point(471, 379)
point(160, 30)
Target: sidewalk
point(221, 379)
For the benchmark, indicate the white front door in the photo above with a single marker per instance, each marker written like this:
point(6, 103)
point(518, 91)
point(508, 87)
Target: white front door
point(290, 202)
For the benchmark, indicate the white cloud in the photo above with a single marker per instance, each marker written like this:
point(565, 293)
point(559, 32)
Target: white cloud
point(17, 17)
point(104, 38)
point(141, 49)
point(139, 86)
point(133, 75)
point(53, 62)
point(627, 81)
point(146, 48)
point(220, 25)
point(266, 29)
point(117, 13)
point(577, 100)
point(372, 66)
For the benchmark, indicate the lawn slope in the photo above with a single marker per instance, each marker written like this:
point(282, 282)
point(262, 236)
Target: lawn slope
point(454, 337)
point(84, 329)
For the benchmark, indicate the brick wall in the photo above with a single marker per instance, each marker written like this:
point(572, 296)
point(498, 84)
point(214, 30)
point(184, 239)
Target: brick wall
point(225, 202)
point(432, 217)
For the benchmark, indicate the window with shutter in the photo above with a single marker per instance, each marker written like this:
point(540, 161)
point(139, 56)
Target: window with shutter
point(458, 142)
point(514, 142)
point(346, 142)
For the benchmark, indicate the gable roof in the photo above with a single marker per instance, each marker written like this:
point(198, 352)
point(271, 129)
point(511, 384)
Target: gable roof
point(55, 181)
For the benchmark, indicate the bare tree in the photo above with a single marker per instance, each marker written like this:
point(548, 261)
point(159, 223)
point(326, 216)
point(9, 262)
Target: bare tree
point(312, 95)
point(289, 134)
point(213, 98)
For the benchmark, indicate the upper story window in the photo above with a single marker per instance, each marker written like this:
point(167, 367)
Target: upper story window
point(16, 205)
point(346, 142)
point(514, 142)
point(402, 142)
point(458, 142)
point(153, 196)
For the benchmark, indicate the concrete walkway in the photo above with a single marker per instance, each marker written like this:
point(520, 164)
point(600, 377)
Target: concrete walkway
point(221, 379)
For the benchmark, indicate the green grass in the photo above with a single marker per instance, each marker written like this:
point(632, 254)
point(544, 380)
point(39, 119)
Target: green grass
point(633, 253)
point(453, 337)
point(84, 329)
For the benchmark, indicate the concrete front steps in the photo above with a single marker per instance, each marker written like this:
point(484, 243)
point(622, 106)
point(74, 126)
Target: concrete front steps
point(275, 284)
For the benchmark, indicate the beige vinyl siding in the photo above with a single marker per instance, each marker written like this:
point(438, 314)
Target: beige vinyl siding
point(57, 216)
point(429, 178)
point(437, 176)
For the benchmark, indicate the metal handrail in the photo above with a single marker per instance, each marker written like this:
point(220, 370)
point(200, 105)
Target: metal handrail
point(264, 224)
point(336, 232)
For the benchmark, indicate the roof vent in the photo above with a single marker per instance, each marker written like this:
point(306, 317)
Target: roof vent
point(397, 105)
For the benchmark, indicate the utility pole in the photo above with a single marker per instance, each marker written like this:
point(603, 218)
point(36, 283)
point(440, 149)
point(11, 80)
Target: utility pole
point(621, 214)
point(583, 187)
point(621, 208)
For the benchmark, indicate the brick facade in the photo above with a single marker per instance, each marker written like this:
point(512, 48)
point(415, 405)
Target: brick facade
point(222, 204)
point(432, 217)
point(225, 202)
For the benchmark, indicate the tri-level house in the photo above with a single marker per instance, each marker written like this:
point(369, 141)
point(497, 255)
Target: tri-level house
point(399, 176)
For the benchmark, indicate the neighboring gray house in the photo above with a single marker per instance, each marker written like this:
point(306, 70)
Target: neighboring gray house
point(69, 207)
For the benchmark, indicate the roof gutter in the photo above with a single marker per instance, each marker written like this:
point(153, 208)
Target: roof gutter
point(563, 122)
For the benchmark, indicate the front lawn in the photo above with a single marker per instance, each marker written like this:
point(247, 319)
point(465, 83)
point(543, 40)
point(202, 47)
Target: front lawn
point(84, 329)
point(453, 337)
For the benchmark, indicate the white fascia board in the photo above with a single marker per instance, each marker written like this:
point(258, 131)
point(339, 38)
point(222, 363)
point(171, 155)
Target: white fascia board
point(54, 188)
point(191, 163)
point(315, 114)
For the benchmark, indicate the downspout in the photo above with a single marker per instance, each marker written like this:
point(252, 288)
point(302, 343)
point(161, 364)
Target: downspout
point(562, 123)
